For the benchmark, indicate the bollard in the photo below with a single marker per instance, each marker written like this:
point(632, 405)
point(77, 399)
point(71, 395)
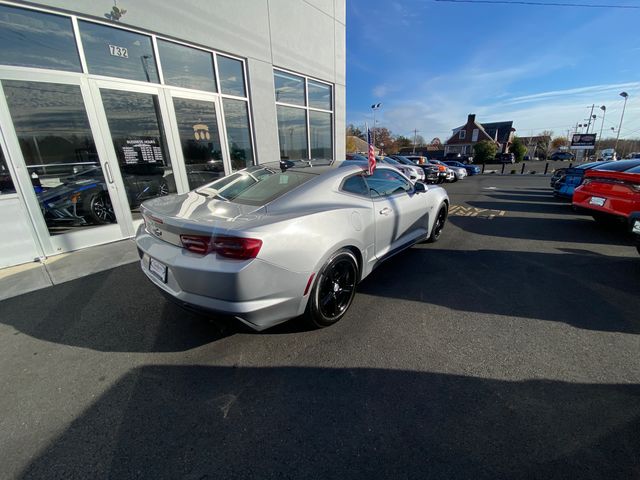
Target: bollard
point(522, 171)
point(570, 165)
point(483, 165)
point(546, 168)
point(502, 172)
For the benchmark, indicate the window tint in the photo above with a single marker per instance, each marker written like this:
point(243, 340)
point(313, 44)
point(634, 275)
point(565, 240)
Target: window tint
point(292, 133)
point(385, 182)
point(634, 170)
point(231, 76)
point(186, 67)
point(6, 184)
point(36, 39)
point(320, 135)
point(265, 188)
point(118, 53)
point(319, 95)
point(356, 184)
point(289, 88)
point(236, 115)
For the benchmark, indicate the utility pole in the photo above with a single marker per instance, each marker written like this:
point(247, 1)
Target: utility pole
point(590, 117)
point(415, 139)
point(375, 107)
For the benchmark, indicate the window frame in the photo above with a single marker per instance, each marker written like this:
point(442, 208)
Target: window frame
point(75, 18)
point(462, 134)
point(359, 195)
point(380, 196)
point(308, 109)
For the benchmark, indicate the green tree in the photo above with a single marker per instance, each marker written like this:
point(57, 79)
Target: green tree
point(484, 151)
point(400, 141)
point(518, 149)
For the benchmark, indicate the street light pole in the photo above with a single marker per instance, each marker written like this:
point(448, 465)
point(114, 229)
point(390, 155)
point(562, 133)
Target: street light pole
point(604, 112)
point(375, 107)
point(625, 95)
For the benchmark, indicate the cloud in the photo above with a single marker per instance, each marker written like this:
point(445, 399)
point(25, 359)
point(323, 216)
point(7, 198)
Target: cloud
point(581, 91)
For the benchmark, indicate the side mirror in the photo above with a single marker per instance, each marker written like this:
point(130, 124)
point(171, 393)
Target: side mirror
point(419, 187)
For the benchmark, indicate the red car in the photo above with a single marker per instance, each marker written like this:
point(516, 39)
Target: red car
point(610, 192)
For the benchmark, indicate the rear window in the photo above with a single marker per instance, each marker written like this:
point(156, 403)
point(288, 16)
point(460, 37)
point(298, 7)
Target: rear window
point(620, 166)
point(270, 187)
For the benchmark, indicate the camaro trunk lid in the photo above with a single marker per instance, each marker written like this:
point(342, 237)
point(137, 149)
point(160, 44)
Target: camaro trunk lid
point(195, 213)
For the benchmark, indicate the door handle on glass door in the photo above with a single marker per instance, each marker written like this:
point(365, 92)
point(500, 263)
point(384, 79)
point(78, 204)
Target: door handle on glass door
point(107, 170)
point(386, 211)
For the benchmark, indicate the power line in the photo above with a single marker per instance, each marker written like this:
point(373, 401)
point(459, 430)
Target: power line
point(541, 4)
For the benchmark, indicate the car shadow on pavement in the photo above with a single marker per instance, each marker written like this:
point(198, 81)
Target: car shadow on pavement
point(194, 422)
point(586, 291)
point(117, 310)
point(528, 197)
point(573, 230)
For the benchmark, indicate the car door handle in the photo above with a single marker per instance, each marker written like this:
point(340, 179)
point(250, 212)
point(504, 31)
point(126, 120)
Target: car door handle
point(386, 211)
point(107, 170)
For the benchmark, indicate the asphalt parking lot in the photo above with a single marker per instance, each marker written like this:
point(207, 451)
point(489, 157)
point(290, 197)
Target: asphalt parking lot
point(509, 349)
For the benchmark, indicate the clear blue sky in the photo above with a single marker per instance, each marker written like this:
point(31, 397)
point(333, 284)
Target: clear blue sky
point(433, 63)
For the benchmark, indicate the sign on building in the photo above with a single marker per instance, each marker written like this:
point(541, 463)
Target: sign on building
point(583, 141)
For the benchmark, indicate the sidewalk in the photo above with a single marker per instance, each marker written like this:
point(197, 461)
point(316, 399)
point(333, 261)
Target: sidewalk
point(62, 268)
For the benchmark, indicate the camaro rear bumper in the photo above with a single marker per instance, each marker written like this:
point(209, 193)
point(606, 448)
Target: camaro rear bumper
point(253, 292)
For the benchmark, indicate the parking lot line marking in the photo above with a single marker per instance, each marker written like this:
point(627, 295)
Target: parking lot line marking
point(465, 211)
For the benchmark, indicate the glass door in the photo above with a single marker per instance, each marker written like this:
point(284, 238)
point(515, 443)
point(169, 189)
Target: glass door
point(133, 117)
point(198, 132)
point(59, 162)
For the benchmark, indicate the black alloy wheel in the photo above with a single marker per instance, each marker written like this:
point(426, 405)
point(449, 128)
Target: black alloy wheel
point(438, 225)
point(334, 289)
point(100, 209)
point(163, 189)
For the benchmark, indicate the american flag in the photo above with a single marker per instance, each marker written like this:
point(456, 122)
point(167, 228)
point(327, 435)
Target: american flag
point(372, 153)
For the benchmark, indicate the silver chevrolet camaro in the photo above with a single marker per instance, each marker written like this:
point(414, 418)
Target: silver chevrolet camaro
point(277, 241)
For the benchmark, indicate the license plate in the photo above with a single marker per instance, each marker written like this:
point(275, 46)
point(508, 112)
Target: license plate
point(599, 201)
point(636, 227)
point(158, 269)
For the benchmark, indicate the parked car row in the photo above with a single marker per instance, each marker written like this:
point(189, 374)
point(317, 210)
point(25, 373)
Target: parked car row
point(608, 191)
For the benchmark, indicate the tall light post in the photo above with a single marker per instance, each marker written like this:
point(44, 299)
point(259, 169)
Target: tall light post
point(604, 112)
point(624, 95)
point(375, 107)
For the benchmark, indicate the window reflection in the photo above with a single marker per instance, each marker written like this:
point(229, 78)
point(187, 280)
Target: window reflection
point(36, 39)
point(136, 130)
point(6, 183)
point(198, 126)
point(58, 149)
point(320, 135)
point(186, 67)
point(231, 76)
point(118, 53)
point(236, 116)
point(319, 95)
point(289, 88)
point(292, 132)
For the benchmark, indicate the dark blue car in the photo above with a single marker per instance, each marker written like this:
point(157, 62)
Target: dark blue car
point(571, 178)
point(471, 169)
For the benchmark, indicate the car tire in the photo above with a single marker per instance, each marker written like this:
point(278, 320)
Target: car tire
point(638, 248)
point(455, 179)
point(99, 208)
point(334, 289)
point(604, 220)
point(438, 225)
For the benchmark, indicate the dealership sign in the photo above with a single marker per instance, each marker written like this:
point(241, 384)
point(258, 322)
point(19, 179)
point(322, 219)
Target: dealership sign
point(583, 141)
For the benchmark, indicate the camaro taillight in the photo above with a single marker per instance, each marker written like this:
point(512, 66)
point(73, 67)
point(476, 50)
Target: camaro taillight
point(238, 248)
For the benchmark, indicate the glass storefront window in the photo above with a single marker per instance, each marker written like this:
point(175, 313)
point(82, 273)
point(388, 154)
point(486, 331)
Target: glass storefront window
point(60, 154)
point(186, 67)
point(289, 88)
point(6, 183)
point(236, 117)
point(319, 95)
point(135, 124)
point(320, 135)
point(231, 76)
point(118, 53)
point(292, 131)
point(198, 127)
point(36, 39)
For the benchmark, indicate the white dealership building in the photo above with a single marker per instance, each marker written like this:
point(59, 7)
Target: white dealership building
point(104, 105)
